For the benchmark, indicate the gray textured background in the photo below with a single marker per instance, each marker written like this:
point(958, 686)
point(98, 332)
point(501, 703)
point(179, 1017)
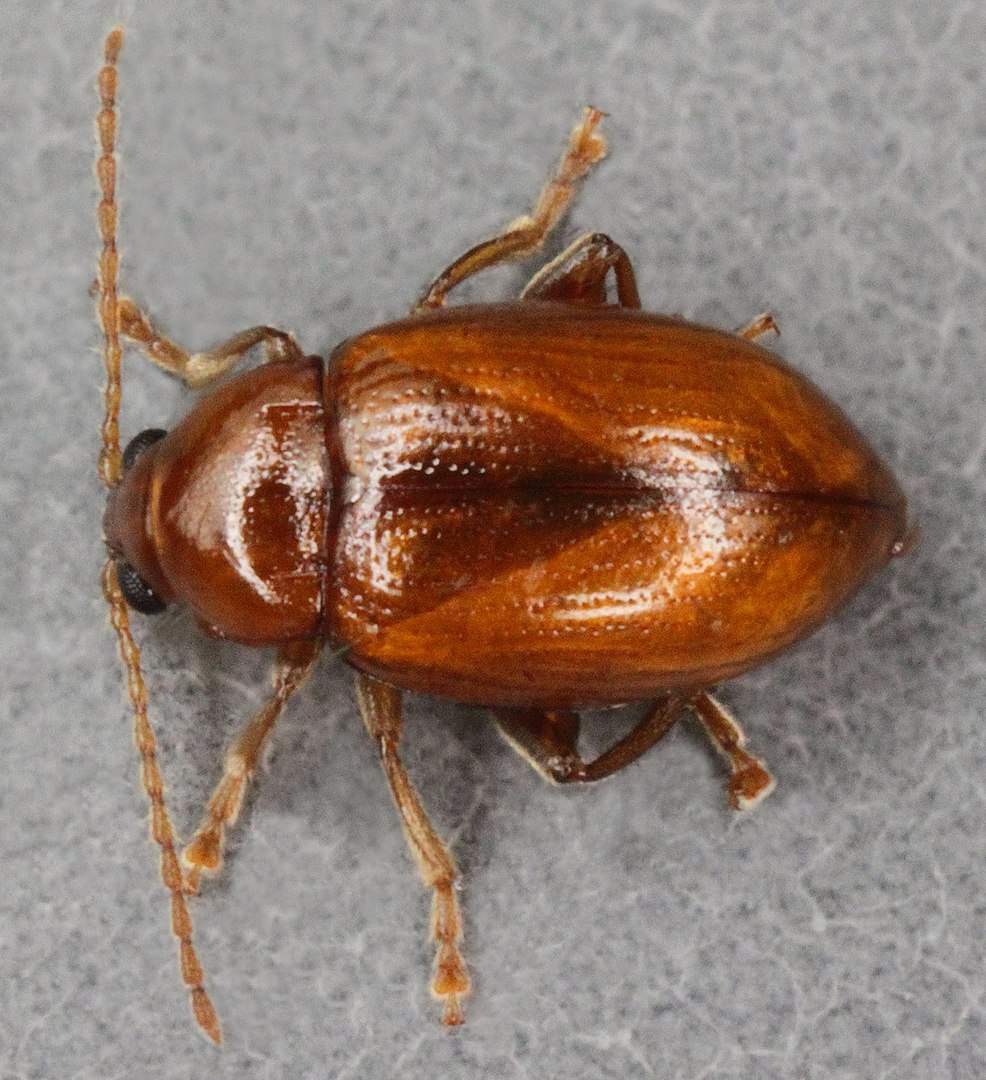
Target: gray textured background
point(311, 165)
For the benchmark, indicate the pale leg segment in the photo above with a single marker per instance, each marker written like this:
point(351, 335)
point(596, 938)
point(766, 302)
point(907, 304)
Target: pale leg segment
point(199, 369)
point(751, 781)
point(525, 235)
point(762, 324)
point(380, 706)
point(291, 670)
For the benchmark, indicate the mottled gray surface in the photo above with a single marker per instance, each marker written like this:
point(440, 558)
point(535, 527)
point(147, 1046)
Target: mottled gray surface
point(311, 165)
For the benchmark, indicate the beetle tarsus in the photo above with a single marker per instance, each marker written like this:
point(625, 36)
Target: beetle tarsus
point(451, 977)
point(751, 781)
point(762, 324)
point(452, 1016)
point(750, 784)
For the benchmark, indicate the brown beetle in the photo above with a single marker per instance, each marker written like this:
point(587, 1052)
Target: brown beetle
point(535, 506)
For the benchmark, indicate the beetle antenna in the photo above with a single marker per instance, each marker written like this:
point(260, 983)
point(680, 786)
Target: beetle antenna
point(161, 831)
point(109, 471)
point(109, 258)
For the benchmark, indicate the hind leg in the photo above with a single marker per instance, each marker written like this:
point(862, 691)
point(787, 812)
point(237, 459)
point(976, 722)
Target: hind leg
point(578, 275)
point(762, 324)
point(547, 740)
point(751, 781)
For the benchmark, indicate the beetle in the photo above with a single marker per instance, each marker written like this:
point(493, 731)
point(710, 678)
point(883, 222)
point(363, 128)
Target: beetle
point(536, 506)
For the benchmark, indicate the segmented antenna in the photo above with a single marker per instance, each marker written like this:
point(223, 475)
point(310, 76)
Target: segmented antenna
point(109, 259)
point(109, 470)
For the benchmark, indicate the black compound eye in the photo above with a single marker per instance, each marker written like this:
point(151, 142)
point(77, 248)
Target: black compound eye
point(137, 593)
point(139, 443)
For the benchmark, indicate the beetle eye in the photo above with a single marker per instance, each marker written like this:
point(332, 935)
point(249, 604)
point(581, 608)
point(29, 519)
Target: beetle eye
point(139, 443)
point(137, 593)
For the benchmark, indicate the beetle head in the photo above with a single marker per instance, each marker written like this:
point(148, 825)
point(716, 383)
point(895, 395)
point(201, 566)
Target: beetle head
point(125, 527)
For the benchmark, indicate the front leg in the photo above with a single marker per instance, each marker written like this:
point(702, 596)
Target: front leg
point(291, 670)
point(198, 369)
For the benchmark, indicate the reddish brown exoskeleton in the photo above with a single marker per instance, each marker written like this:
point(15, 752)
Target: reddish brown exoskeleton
point(535, 506)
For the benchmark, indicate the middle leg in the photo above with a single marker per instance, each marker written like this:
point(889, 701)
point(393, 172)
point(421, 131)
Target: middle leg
point(525, 235)
point(380, 706)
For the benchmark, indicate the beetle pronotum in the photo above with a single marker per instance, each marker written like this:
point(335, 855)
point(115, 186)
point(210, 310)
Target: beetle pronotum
point(536, 506)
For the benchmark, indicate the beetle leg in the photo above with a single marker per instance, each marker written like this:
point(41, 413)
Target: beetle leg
point(547, 739)
point(762, 324)
point(578, 275)
point(751, 781)
point(380, 705)
point(197, 369)
point(525, 235)
point(291, 669)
